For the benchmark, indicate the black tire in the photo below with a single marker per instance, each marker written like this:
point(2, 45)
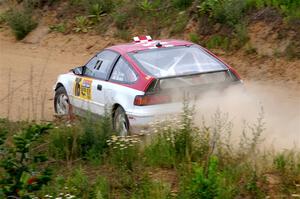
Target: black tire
point(61, 91)
point(120, 118)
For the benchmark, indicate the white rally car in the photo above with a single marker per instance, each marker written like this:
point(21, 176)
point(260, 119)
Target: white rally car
point(135, 82)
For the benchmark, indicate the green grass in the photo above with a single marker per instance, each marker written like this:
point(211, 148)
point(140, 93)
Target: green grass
point(293, 50)
point(84, 139)
point(232, 12)
point(61, 27)
point(182, 4)
point(179, 23)
point(87, 161)
point(218, 41)
point(193, 37)
point(21, 22)
point(226, 26)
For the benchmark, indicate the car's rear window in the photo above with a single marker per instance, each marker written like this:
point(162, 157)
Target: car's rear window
point(173, 61)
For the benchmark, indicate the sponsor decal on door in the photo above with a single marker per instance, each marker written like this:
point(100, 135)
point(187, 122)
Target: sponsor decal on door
point(83, 88)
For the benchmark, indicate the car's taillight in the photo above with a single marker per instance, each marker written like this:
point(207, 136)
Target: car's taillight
point(143, 100)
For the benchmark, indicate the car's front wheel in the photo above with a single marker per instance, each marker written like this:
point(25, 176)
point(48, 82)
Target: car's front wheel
point(120, 122)
point(61, 101)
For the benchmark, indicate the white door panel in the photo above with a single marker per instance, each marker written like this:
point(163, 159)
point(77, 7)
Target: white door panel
point(97, 102)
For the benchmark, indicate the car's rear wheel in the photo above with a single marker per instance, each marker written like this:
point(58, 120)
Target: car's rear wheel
point(120, 122)
point(61, 101)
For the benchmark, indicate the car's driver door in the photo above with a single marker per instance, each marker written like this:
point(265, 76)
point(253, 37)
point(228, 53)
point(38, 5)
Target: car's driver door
point(88, 88)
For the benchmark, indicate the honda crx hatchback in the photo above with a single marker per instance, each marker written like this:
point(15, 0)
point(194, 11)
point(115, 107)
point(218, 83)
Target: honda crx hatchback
point(139, 81)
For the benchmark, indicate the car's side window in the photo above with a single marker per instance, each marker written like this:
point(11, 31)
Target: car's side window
point(89, 67)
point(123, 72)
point(100, 65)
point(104, 63)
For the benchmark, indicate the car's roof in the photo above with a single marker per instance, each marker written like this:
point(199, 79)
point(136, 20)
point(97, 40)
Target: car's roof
point(145, 45)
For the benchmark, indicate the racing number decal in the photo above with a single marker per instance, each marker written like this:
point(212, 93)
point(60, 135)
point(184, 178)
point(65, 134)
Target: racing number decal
point(82, 88)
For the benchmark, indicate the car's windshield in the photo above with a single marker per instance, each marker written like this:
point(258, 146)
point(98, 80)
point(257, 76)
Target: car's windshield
point(166, 62)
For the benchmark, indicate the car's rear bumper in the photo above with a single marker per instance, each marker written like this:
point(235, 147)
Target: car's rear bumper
point(143, 116)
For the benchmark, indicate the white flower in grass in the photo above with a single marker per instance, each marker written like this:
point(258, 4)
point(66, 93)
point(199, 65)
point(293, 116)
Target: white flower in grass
point(125, 147)
point(181, 126)
point(114, 138)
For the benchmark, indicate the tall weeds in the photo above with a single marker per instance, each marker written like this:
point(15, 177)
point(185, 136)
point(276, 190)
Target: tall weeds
point(203, 160)
point(21, 22)
point(84, 139)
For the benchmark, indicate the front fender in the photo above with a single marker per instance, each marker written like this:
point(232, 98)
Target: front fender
point(65, 80)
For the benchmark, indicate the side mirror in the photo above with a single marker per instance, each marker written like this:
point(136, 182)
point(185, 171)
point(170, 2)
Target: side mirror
point(78, 70)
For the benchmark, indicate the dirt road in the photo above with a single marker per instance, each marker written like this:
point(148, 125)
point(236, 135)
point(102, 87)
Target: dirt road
point(28, 69)
point(28, 72)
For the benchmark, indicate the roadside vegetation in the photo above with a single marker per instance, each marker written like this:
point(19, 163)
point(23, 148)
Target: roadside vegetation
point(21, 22)
point(219, 24)
point(172, 159)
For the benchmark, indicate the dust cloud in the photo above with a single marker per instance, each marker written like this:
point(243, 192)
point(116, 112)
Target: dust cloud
point(280, 107)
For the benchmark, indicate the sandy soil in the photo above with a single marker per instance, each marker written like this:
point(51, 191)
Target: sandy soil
point(28, 71)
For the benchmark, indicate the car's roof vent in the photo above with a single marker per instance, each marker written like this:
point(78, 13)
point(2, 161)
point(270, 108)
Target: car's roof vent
point(142, 39)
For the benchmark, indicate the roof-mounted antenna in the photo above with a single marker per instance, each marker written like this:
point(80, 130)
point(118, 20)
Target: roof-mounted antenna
point(158, 45)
